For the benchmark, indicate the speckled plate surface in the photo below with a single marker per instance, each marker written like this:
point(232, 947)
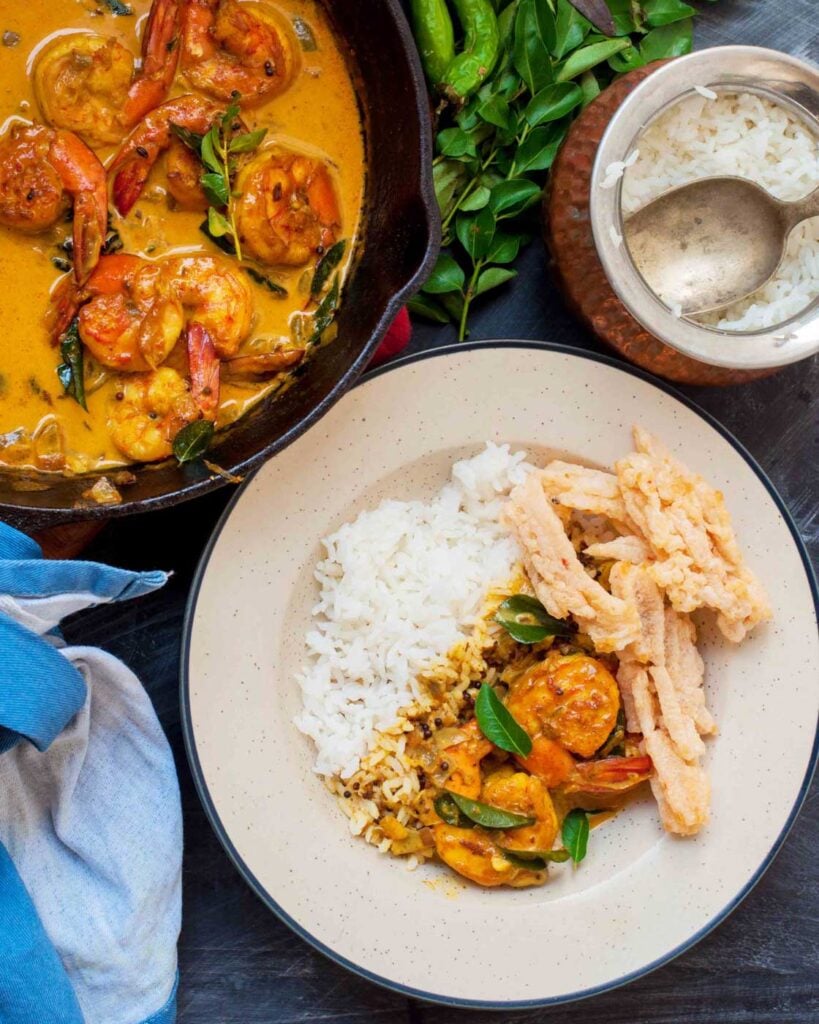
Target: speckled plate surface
point(641, 897)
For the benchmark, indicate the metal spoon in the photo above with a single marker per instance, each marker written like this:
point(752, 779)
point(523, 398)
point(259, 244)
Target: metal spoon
point(713, 241)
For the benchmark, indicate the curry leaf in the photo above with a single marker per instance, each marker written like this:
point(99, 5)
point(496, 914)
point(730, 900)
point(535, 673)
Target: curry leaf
point(218, 224)
point(665, 12)
point(553, 102)
point(448, 811)
point(475, 232)
point(598, 13)
point(526, 620)
point(325, 266)
point(71, 370)
point(590, 56)
point(505, 248)
point(119, 9)
point(667, 41)
point(491, 278)
point(191, 139)
point(325, 312)
point(209, 150)
point(446, 276)
point(498, 724)
point(477, 201)
point(590, 86)
point(626, 60)
point(571, 28)
point(265, 281)
point(456, 143)
point(511, 197)
point(534, 860)
point(538, 151)
point(248, 142)
point(193, 441)
point(496, 111)
point(489, 817)
point(215, 188)
point(420, 305)
point(304, 34)
point(575, 834)
point(530, 55)
point(448, 177)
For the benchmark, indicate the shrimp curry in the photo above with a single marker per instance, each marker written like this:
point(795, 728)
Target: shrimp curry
point(180, 189)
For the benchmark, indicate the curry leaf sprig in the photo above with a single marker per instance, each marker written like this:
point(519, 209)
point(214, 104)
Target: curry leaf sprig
point(217, 150)
point(503, 117)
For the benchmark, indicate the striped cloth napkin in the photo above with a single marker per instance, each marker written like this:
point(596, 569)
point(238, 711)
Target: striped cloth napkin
point(90, 817)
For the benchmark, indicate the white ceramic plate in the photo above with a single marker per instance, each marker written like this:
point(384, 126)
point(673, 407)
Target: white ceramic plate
point(641, 896)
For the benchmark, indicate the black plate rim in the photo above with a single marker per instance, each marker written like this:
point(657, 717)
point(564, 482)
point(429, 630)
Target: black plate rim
point(405, 990)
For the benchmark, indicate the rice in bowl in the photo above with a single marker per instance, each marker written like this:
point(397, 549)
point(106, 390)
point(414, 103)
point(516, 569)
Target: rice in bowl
point(748, 136)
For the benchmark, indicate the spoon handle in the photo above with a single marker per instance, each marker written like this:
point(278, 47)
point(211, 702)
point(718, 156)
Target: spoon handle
point(800, 210)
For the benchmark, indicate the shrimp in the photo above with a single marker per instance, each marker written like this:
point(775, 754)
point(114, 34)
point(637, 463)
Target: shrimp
point(287, 210)
point(85, 83)
point(570, 698)
point(40, 169)
point(132, 312)
point(548, 761)
point(462, 761)
point(215, 294)
point(128, 318)
point(475, 855)
point(147, 413)
point(139, 153)
point(523, 794)
point(231, 48)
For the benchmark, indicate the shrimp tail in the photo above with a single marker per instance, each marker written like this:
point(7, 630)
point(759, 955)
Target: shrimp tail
point(65, 304)
point(129, 181)
point(83, 178)
point(263, 364)
point(160, 55)
point(322, 198)
point(204, 370)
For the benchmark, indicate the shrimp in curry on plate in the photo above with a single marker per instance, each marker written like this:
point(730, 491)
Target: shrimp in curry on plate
point(181, 185)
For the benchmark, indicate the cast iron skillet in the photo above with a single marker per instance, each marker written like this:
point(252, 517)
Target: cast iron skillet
point(399, 240)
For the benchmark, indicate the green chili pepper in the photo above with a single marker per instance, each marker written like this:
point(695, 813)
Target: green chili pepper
point(434, 35)
point(467, 72)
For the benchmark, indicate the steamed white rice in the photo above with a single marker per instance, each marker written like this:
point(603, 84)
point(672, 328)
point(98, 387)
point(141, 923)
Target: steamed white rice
point(400, 586)
point(750, 137)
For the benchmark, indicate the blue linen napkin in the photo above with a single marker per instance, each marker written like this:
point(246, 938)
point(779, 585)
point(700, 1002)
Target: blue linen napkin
point(90, 817)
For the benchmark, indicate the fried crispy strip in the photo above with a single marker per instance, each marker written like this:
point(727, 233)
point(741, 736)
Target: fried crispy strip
point(583, 489)
point(686, 668)
point(633, 585)
point(680, 727)
point(558, 577)
point(685, 521)
point(682, 790)
point(621, 549)
point(633, 682)
point(660, 678)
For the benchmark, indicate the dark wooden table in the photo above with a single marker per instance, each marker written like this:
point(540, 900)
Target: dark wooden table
point(240, 965)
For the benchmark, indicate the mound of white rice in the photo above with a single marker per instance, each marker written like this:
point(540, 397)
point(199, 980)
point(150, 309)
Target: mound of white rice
point(400, 585)
point(743, 135)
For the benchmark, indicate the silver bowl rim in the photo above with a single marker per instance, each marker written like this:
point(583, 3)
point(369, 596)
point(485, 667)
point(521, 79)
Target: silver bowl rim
point(778, 76)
